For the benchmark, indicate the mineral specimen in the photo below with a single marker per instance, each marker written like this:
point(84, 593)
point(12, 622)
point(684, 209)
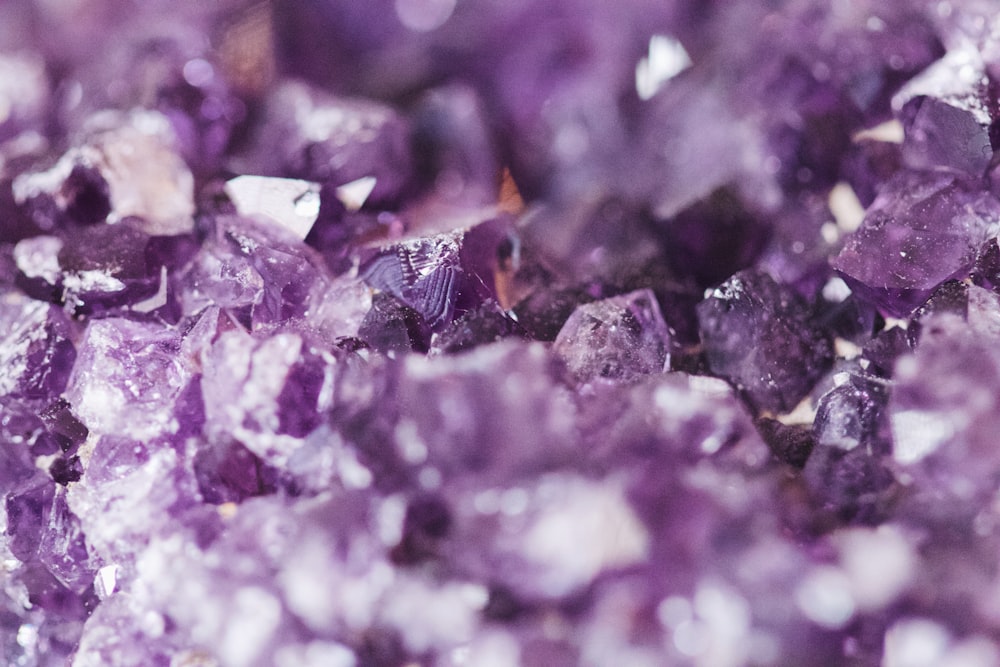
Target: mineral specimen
point(522, 333)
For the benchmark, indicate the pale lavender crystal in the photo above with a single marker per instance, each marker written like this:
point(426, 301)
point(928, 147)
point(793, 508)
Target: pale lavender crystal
point(922, 230)
point(130, 490)
point(522, 531)
point(260, 274)
point(494, 413)
point(62, 547)
point(679, 418)
point(126, 378)
point(620, 339)
point(267, 392)
point(943, 430)
point(124, 631)
point(36, 348)
point(758, 335)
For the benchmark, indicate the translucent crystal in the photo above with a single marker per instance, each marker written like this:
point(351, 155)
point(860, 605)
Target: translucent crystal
point(921, 230)
point(757, 334)
point(621, 338)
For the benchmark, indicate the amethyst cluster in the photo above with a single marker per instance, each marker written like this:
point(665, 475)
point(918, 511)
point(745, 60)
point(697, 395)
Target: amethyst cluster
point(499, 333)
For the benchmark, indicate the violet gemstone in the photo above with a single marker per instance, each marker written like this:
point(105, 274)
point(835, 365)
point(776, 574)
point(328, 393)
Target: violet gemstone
point(356, 145)
point(848, 471)
point(758, 335)
point(36, 348)
point(486, 324)
point(442, 275)
point(619, 339)
point(947, 112)
point(921, 230)
point(528, 426)
point(411, 361)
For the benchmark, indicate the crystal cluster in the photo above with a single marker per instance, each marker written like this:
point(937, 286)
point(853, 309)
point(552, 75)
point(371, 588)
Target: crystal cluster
point(521, 333)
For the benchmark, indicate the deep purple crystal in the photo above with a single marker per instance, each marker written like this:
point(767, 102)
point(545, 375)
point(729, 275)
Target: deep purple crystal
point(757, 334)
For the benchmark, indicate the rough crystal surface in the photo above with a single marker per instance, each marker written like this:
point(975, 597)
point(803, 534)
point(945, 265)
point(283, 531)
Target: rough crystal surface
point(375, 334)
point(126, 166)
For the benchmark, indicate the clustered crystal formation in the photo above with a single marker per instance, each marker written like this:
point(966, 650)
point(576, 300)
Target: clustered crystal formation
point(499, 333)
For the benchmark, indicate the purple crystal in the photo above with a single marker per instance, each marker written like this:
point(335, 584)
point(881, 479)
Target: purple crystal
point(621, 338)
point(126, 378)
point(266, 392)
point(847, 470)
point(36, 350)
point(946, 113)
point(486, 324)
point(494, 412)
point(919, 232)
point(757, 334)
point(125, 166)
point(259, 273)
point(354, 145)
point(442, 275)
point(410, 361)
point(940, 428)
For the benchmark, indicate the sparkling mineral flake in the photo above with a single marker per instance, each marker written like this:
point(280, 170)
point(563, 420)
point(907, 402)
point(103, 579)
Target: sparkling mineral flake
point(499, 333)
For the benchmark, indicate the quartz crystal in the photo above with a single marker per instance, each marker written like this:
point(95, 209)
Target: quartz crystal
point(534, 333)
point(758, 335)
point(621, 338)
point(920, 231)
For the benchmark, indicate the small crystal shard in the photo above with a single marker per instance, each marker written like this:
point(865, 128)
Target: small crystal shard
point(292, 204)
point(36, 349)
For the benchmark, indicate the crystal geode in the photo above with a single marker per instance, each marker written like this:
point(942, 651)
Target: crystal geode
point(538, 333)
